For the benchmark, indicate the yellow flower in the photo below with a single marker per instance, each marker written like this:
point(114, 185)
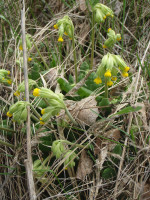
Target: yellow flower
point(113, 78)
point(42, 123)
point(109, 83)
point(9, 114)
point(60, 39)
point(104, 17)
point(65, 33)
point(9, 82)
point(29, 59)
point(36, 92)
point(126, 69)
point(17, 93)
point(8, 72)
point(118, 39)
point(55, 26)
point(104, 46)
point(107, 73)
point(108, 14)
point(98, 80)
point(42, 111)
point(125, 74)
point(3, 79)
point(109, 29)
point(20, 47)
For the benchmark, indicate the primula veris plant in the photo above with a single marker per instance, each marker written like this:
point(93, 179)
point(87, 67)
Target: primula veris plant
point(101, 12)
point(39, 170)
point(18, 111)
point(56, 104)
point(4, 77)
point(53, 98)
point(69, 158)
point(21, 87)
point(108, 69)
point(58, 148)
point(112, 39)
point(28, 42)
point(65, 27)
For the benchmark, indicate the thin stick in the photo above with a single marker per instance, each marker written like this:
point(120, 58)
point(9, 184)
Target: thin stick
point(93, 39)
point(28, 161)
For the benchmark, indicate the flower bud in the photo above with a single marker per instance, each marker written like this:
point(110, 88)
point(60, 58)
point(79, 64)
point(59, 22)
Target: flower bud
point(69, 158)
point(19, 111)
point(65, 26)
point(58, 148)
point(101, 12)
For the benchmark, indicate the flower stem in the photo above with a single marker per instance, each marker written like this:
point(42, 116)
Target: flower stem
point(93, 39)
point(75, 58)
point(47, 67)
point(70, 143)
point(35, 112)
point(70, 116)
point(106, 88)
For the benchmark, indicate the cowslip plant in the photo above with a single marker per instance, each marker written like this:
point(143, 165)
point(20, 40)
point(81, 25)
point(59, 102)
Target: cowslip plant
point(4, 77)
point(108, 69)
point(28, 42)
point(99, 13)
point(56, 104)
point(59, 150)
point(39, 170)
point(112, 39)
point(18, 111)
point(21, 87)
point(66, 27)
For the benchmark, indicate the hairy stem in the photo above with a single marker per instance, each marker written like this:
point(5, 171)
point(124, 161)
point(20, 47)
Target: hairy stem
point(106, 88)
point(70, 116)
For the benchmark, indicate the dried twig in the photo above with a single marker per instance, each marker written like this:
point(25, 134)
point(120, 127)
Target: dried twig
point(28, 161)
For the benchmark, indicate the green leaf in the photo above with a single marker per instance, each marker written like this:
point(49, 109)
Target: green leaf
point(127, 110)
point(84, 92)
point(66, 87)
point(118, 149)
point(108, 173)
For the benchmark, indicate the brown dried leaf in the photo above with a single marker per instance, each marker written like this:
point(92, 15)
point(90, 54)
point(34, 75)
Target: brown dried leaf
point(146, 192)
point(86, 111)
point(113, 134)
point(84, 167)
point(82, 5)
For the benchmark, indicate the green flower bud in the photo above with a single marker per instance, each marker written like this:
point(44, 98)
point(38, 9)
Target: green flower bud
point(23, 116)
point(19, 111)
point(112, 38)
point(58, 148)
point(39, 170)
point(21, 87)
point(110, 65)
point(70, 156)
point(65, 26)
point(101, 12)
point(28, 42)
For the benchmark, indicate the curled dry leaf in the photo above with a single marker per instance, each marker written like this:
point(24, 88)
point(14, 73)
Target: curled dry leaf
point(85, 111)
point(84, 167)
point(51, 76)
point(146, 192)
point(82, 4)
